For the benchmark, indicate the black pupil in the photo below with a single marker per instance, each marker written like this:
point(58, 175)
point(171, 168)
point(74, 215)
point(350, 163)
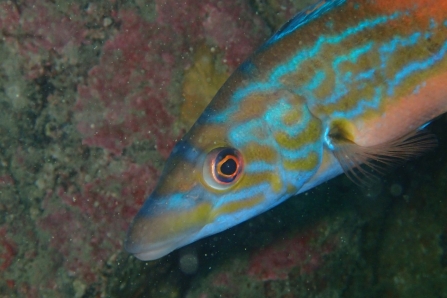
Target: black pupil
point(228, 167)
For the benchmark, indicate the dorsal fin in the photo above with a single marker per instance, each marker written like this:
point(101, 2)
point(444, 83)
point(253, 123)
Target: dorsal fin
point(357, 161)
point(302, 18)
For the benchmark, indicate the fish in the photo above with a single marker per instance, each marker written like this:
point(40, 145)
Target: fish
point(343, 84)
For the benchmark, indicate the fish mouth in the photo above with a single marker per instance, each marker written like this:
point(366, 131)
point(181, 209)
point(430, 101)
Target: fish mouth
point(153, 251)
point(150, 238)
point(156, 232)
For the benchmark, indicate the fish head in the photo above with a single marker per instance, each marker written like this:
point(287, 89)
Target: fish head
point(225, 170)
point(201, 191)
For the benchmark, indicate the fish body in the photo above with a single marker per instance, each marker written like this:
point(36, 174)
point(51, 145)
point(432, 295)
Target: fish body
point(342, 83)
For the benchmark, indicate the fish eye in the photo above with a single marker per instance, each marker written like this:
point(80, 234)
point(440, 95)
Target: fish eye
point(222, 168)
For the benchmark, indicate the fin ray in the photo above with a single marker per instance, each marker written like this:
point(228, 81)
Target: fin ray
point(358, 161)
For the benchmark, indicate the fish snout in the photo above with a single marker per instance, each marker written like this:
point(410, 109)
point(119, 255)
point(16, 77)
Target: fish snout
point(158, 230)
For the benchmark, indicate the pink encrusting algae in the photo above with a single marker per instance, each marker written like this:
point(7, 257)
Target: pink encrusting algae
point(126, 95)
point(304, 251)
point(273, 271)
point(101, 211)
point(238, 39)
point(8, 249)
point(37, 29)
point(127, 104)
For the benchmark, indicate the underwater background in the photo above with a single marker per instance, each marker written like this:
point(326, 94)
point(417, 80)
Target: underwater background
point(93, 96)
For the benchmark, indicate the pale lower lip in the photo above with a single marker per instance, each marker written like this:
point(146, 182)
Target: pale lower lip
point(152, 254)
point(157, 251)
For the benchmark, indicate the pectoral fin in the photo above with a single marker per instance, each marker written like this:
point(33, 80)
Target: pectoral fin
point(360, 163)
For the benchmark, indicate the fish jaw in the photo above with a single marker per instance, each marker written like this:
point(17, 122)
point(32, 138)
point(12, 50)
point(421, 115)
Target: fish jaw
point(164, 224)
point(148, 252)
